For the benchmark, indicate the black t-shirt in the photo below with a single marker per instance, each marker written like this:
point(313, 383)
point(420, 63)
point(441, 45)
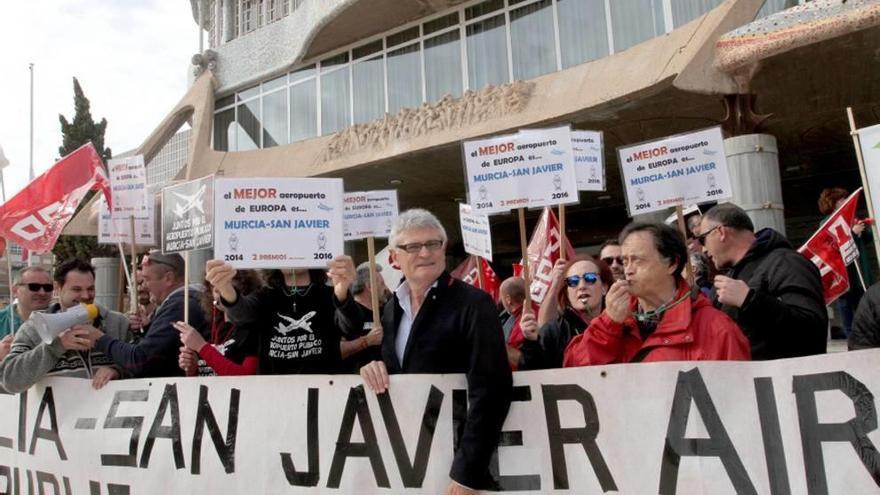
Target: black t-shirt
point(296, 331)
point(354, 362)
point(234, 342)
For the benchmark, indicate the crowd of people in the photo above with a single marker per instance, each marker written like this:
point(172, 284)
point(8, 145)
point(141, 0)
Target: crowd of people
point(723, 292)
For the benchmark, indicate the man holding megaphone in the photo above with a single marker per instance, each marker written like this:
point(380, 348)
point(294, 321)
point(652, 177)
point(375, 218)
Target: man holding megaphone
point(60, 341)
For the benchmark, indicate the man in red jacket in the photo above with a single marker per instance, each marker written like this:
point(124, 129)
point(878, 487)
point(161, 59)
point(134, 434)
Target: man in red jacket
point(652, 315)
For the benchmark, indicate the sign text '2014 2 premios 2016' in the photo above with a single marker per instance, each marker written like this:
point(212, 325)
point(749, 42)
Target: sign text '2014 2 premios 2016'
point(797, 426)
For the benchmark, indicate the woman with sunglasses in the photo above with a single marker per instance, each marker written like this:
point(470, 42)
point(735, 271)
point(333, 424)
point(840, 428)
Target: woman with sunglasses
point(576, 295)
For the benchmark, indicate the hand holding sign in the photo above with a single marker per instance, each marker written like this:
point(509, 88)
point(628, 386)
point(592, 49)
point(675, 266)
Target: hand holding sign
point(220, 274)
point(342, 274)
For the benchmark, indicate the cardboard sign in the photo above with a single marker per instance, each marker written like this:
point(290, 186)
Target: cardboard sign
point(279, 222)
point(128, 186)
point(188, 216)
point(369, 214)
point(115, 230)
point(798, 426)
point(589, 160)
point(476, 233)
point(675, 171)
point(869, 142)
point(532, 168)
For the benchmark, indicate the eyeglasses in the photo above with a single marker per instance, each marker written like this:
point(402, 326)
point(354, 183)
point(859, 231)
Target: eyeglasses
point(37, 287)
point(589, 277)
point(702, 237)
point(609, 260)
point(416, 247)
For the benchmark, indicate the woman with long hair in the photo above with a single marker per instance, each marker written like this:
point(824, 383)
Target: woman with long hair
point(576, 295)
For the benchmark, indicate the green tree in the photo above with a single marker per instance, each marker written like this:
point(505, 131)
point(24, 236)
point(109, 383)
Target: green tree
point(75, 134)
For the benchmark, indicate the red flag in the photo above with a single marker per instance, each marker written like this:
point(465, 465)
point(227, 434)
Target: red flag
point(467, 273)
point(35, 216)
point(833, 247)
point(543, 252)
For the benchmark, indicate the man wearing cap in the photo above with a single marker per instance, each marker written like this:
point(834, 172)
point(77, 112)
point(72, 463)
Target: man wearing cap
point(70, 354)
point(156, 353)
point(33, 291)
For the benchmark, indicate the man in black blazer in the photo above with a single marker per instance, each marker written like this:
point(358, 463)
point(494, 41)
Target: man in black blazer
point(436, 324)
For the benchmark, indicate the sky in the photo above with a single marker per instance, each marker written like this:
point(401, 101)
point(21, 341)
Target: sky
point(131, 57)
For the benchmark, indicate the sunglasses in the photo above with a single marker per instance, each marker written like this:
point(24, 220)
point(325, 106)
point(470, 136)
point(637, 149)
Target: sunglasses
point(37, 287)
point(609, 260)
point(589, 277)
point(702, 237)
point(416, 247)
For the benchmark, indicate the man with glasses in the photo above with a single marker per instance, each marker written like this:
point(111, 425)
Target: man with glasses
point(436, 324)
point(771, 290)
point(609, 252)
point(653, 315)
point(32, 291)
point(70, 354)
point(156, 353)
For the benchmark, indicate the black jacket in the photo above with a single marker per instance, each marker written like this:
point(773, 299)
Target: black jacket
point(784, 312)
point(866, 324)
point(457, 331)
point(547, 352)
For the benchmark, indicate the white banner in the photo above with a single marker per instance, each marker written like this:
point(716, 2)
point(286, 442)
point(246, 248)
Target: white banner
point(476, 233)
point(128, 186)
point(675, 171)
point(589, 160)
point(869, 141)
point(532, 168)
point(369, 214)
point(278, 222)
point(799, 426)
point(188, 215)
point(115, 230)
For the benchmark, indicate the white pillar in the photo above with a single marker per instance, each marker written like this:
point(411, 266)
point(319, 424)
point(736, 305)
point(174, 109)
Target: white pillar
point(106, 281)
point(753, 161)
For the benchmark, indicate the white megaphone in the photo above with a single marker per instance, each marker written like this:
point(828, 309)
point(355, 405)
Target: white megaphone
point(50, 325)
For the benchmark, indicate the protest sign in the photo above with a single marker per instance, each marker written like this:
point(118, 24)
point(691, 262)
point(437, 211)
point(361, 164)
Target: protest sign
point(188, 216)
point(369, 214)
point(869, 142)
point(128, 186)
point(675, 171)
point(800, 426)
point(589, 160)
point(279, 222)
point(476, 234)
point(533, 168)
point(116, 230)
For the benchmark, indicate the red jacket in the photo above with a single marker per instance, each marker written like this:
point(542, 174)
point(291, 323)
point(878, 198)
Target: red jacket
point(692, 330)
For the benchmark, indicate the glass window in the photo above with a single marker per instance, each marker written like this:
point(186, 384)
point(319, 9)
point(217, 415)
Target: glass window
point(634, 21)
point(303, 111)
point(225, 101)
point(482, 9)
point(583, 31)
point(224, 125)
point(275, 83)
point(440, 23)
point(368, 86)
point(368, 49)
point(404, 78)
point(248, 135)
point(403, 36)
point(303, 73)
point(684, 11)
point(532, 42)
point(274, 119)
point(331, 62)
point(249, 93)
point(335, 112)
point(487, 52)
point(443, 66)
point(774, 6)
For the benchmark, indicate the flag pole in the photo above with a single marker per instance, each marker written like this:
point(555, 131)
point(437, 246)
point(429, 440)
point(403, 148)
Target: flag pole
point(527, 307)
point(861, 161)
point(30, 260)
point(132, 287)
point(374, 294)
point(562, 238)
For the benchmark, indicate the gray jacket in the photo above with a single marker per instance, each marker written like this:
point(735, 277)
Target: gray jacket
point(30, 359)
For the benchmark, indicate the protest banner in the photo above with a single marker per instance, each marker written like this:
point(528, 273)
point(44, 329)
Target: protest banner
point(799, 426)
point(675, 171)
point(532, 168)
point(867, 147)
point(368, 214)
point(278, 222)
point(476, 233)
point(589, 160)
point(188, 216)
